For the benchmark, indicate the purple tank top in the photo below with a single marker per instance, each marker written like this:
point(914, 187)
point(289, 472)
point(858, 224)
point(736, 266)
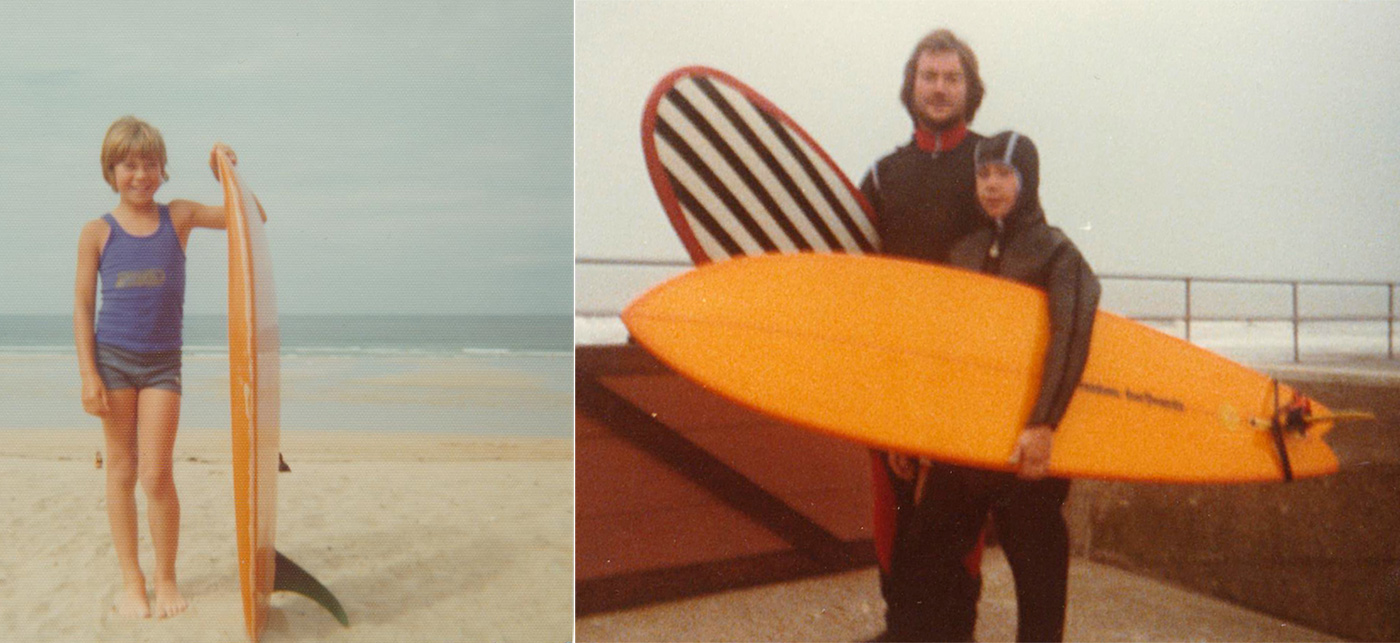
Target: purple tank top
point(143, 288)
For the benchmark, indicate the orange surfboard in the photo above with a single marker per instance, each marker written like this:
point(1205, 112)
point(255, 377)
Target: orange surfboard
point(254, 345)
point(254, 385)
point(946, 363)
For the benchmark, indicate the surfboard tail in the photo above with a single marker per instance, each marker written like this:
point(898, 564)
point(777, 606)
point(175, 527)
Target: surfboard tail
point(291, 577)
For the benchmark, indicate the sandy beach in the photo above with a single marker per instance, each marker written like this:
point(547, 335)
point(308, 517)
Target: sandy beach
point(422, 536)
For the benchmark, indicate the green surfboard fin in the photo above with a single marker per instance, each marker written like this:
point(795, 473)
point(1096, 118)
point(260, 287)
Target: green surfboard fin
point(291, 577)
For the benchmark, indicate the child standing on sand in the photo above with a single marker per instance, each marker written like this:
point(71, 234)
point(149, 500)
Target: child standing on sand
point(130, 357)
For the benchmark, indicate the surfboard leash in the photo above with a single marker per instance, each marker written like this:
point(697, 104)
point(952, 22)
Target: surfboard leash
point(1276, 426)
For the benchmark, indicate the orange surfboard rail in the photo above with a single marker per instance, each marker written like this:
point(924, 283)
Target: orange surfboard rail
point(255, 408)
point(254, 345)
point(945, 363)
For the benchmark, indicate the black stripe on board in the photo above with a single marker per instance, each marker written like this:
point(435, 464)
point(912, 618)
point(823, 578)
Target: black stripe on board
point(771, 161)
point(707, 130)
point(707, 220)
point(840, 210)
point(702, 170)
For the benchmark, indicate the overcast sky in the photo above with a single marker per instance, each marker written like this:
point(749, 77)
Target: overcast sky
point(412, 156)
point(1243, 139)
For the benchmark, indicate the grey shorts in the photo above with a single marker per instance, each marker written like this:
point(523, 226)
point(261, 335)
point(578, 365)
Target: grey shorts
point(122, 368)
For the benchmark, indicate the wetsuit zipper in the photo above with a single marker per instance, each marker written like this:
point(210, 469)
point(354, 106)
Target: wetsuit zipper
point(992, 263)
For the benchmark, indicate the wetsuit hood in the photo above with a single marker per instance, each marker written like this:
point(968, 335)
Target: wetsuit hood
point(1017, 151)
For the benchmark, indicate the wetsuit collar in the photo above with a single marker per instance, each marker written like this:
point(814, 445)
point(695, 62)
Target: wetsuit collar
point(941, 140)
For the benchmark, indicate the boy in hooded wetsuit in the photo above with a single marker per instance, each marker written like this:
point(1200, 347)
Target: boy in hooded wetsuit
point(940, 593)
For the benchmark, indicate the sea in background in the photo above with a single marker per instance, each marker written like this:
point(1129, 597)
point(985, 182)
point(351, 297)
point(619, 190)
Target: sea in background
point(508, 375)
point(1257, 344)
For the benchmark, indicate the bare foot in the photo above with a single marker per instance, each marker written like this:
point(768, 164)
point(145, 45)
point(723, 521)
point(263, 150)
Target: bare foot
point(133, 603)
point(169, 602)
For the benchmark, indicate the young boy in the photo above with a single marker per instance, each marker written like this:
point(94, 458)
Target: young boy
point(1014, 242)
point(130, 357)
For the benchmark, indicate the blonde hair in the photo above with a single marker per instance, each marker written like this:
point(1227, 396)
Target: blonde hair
point(131, 136)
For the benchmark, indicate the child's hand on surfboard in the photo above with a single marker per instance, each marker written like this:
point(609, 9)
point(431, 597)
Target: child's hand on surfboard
point(214, 157)
point(1032, 454)
point(903, 466)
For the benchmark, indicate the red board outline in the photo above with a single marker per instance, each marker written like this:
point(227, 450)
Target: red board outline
point(657, 170)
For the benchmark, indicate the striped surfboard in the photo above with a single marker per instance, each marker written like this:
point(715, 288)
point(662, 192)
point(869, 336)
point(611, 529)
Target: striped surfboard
point(738, 177)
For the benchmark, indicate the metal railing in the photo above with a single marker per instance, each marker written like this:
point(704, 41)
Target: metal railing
point(1188, 303)
point(1296, 318)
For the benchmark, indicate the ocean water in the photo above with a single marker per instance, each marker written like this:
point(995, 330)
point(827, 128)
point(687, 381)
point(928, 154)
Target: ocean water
point(499, 376)
point(332, 334)
point(1251, 343)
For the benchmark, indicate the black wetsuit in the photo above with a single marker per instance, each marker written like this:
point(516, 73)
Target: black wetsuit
point(932, 593)
point(923, 198)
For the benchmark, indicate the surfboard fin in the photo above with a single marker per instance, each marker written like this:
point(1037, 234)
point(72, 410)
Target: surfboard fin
point(1297, 416)
point(291, 577)
point(1335, 417)
point(1342, 416)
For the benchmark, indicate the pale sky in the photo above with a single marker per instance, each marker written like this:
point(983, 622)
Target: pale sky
point(1229, 139)
point(413, 157)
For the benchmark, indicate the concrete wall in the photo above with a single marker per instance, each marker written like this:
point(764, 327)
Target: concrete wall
point(1324, 553)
